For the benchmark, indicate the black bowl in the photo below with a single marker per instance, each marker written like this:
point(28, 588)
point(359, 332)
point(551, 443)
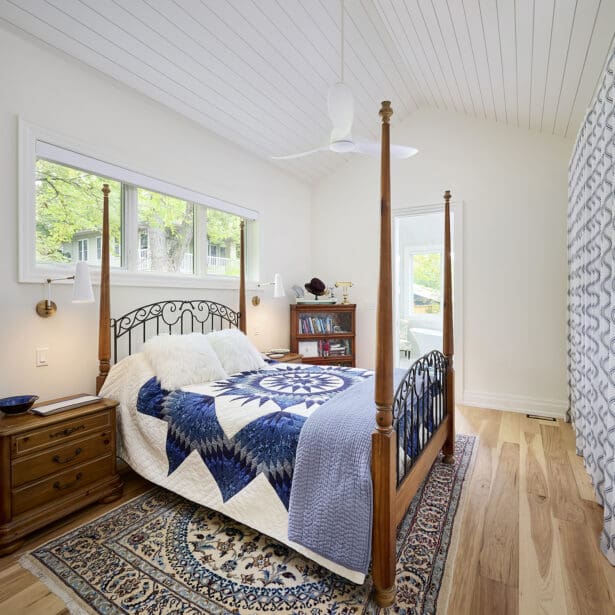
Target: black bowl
point(17, 404)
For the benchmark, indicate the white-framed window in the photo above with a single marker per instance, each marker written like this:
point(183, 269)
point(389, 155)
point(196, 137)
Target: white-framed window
point(160, 233)
point(82, 245)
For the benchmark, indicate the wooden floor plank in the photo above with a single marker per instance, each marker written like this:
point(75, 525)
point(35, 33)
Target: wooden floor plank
point(466, 571)
point(511, 427)
point(492, 597)
point(566, 503)
point(581, 477)
point(499, 557)
point(540, 576)
point(586, 585)
point(25, 601)
point(13, 580)
point(594, 514)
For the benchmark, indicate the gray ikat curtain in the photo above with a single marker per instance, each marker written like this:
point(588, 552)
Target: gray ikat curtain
point(591, 298)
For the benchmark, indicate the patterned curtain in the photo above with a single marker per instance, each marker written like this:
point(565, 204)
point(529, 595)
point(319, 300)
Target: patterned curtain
point(591, 298)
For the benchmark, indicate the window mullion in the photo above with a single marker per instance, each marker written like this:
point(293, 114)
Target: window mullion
point(200, 240)
point(130, 236)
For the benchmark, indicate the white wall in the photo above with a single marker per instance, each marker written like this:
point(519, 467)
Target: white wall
point(513, 185)
point(48, 89)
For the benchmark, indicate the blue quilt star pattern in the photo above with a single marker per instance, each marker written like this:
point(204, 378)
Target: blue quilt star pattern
point(266, 445)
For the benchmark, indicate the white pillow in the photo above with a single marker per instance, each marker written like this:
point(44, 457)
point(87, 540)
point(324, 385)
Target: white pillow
point(180, 360)
point(235, 351)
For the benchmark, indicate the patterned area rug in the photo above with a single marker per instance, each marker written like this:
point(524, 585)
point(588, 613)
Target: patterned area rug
point(160, 553)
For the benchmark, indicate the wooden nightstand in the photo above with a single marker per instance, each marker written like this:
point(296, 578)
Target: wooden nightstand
point(290, 357)
point(54, 465)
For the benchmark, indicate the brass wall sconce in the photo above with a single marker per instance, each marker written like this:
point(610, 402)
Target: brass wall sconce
point(278, 289)
point(82, 291)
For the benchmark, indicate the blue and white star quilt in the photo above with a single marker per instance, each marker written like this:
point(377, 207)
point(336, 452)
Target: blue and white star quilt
point(246, 425)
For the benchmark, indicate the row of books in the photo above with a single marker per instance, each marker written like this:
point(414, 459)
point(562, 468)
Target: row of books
point(340, 348)
point(318, 324)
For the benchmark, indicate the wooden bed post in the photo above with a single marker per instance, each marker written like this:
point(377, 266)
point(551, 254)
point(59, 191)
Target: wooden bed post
point(447, 334)
point(242, 278)
point(104, 323)
point(383, 439)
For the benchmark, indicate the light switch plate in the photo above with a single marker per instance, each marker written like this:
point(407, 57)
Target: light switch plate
point(42, 357)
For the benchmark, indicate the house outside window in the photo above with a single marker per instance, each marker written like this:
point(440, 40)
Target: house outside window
point(99, 248)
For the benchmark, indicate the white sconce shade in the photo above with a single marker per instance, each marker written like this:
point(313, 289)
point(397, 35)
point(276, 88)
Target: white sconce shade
point(82, 288)
point(278, 287)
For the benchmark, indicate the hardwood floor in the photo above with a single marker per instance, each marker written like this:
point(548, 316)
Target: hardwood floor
point(529, 537)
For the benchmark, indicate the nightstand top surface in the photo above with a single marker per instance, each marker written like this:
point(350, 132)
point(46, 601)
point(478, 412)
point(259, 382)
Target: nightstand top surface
point(16, 423)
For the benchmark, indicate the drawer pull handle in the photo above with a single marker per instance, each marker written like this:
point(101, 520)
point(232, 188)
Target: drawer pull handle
point(56, 458)
point(67, 431)
point(60, 487)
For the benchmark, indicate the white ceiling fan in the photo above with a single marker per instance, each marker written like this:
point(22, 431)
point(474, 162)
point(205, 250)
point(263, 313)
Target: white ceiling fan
point(340, 105)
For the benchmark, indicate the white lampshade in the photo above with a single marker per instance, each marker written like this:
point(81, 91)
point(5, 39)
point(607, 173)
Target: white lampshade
point(82, 288)
point(278, 287)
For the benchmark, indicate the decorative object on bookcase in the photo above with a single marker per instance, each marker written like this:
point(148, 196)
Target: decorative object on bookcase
point(323, 333)
point(316, 287)
point(344, 286)
point(299, 292)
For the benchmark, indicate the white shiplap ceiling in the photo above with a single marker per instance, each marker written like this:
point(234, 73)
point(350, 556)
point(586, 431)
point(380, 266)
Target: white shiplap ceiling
point(257, 71)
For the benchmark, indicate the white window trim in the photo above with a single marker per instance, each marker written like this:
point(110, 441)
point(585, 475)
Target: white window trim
point(36, 141)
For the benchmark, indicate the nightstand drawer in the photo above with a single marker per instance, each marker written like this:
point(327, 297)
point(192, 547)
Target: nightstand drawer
point(29, 441)
point(60, 458)
point(60, 484)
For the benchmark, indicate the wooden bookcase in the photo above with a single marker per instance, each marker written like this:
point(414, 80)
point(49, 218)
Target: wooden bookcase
point(323, 334)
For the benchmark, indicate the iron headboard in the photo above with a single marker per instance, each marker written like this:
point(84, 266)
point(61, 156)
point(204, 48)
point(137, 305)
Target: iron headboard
point(173, 316)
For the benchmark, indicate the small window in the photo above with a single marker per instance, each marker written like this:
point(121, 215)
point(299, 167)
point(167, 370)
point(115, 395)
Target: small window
point(167, 233)
point(426, 272)
point(99, 248)
point(67, 208)
point(83, 249)
point(223, 236)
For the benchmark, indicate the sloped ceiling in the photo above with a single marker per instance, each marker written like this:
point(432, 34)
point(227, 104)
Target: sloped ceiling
point(257, 71)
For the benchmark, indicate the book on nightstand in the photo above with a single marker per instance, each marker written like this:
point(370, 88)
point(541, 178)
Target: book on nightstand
point(65, 404)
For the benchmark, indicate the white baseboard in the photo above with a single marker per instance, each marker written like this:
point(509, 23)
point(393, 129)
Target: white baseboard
point(555, 408)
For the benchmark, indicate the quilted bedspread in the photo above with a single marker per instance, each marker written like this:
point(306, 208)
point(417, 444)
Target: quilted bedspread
point(246, 425)
point(230, 444)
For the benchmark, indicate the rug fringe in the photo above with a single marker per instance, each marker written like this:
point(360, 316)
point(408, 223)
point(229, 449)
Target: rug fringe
point(446, 585)
point(74, 604)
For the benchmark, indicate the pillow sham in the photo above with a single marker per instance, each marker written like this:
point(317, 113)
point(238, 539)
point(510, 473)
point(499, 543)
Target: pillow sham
point(235, 351)
point(180, 360)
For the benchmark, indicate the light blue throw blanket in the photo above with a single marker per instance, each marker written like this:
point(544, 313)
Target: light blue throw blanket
point(331, 497)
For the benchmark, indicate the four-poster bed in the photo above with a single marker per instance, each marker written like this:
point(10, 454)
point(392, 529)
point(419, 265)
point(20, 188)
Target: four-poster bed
point(413, 423)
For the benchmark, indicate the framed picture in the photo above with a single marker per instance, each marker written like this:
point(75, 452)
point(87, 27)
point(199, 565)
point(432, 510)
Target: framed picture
point(308, 349)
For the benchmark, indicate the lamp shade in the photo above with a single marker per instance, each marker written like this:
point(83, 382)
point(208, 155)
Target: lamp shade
point(278, 287)
point(82, 288)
